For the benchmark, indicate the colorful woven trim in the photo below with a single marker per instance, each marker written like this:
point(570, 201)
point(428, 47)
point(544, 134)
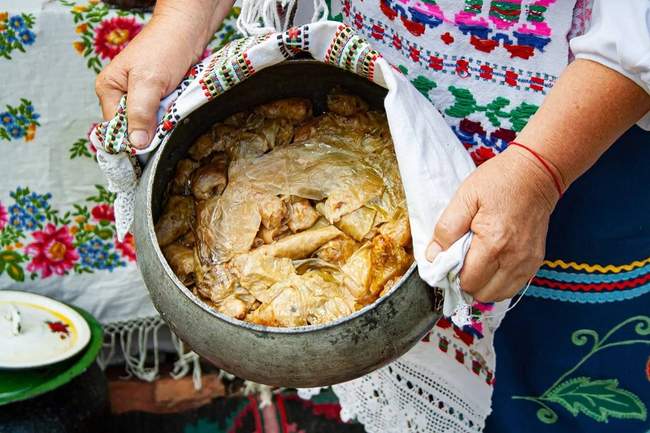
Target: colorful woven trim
point(596, 268)
point(591, 283)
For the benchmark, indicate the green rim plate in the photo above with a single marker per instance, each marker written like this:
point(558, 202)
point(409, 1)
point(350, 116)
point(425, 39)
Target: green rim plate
point(17, 385)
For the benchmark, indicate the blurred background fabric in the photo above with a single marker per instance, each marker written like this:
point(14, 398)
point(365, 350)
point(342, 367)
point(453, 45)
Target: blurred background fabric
point(57, 233)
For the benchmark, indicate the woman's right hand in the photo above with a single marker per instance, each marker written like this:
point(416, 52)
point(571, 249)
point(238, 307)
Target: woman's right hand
point(156, 60)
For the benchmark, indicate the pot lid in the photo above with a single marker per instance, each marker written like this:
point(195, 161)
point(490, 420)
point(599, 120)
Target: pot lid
point(36, 331)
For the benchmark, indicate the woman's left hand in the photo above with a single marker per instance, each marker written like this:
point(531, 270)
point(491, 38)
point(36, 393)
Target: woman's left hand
point(506, 203)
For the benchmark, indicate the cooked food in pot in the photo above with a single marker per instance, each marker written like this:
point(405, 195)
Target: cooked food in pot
point(283, 218)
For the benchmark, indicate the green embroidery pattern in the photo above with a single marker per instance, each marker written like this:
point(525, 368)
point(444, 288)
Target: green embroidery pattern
point(597, 399)
point(536, 13)
point(81, 148)
point(422, 83)
point(473, 6)
point(331, 17)
point(505, 10)
point(465, 104)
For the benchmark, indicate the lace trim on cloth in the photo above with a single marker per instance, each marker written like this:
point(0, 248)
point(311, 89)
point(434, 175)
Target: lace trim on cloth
point(442, 385)
point(405, 398)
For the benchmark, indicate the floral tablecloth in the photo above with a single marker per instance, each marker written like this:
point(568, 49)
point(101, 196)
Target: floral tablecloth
point(57, 234)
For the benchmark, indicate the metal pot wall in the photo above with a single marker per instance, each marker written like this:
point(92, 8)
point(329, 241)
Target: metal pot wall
point(295, 357)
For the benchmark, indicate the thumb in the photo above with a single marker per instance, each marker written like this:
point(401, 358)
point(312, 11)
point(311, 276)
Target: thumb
point(454, 222)
point(142, 102)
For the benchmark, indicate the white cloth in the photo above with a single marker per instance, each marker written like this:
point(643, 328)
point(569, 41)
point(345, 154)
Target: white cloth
point(619, 38)
point(432, 163)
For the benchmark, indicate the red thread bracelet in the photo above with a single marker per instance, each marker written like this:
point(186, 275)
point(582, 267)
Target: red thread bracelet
point(539, 157)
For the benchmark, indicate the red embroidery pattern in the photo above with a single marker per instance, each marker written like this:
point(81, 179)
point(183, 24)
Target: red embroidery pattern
point(521, 34)
point(462, 67)
point(457, 343)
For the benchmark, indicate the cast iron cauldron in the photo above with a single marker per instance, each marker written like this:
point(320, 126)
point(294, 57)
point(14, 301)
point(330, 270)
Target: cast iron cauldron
point(294, 357)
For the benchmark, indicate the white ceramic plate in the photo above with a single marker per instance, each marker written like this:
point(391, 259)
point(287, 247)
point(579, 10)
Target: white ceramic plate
point(36, 331)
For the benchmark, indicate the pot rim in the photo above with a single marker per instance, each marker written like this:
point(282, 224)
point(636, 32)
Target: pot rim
point(153, 166)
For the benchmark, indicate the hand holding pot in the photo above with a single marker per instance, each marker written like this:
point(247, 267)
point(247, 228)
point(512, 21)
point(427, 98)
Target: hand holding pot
point(507, 204)
point(156, 60)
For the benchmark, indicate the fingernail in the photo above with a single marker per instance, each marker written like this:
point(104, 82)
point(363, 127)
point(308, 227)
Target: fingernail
point(432, 251)
point(139, 138)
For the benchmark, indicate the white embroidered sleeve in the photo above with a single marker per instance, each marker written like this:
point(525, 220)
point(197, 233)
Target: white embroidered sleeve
point(619, 38)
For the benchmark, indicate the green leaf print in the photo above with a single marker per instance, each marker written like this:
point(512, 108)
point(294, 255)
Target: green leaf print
point(10, 263)
point(15, 272)
point(80, 149)
point(10, 257)
point(598, 399)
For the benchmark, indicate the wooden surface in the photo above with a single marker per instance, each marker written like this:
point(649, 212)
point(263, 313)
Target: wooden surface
point(165, 395)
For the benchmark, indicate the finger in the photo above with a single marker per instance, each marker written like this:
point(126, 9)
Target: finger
point(503, 285)
point(480, 266)
point(109, 91)
point(454, 222)
point(142, 101)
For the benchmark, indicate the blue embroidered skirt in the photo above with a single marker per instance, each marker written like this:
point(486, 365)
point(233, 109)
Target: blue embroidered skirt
point(574, 355)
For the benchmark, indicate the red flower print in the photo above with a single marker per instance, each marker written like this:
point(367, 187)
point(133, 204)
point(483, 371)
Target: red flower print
point(112, 35)
point(127, 247)
point(51, 251)
point(103, 212)
point(3, 217)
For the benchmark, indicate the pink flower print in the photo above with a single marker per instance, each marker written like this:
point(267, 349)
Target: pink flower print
point(114, 34)
point(4, 216)
point(52, 251)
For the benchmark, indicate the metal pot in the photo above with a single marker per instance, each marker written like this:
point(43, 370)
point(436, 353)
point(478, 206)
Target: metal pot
point(295, 357)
